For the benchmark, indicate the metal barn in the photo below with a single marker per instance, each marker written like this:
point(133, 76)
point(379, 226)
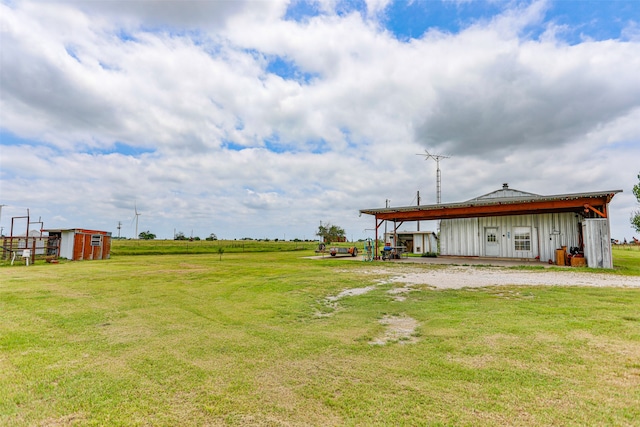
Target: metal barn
point(79, 244)
point(415, 242)
point(514, 224)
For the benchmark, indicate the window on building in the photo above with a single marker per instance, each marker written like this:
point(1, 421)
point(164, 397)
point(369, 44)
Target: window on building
point(522, 238)
point(96, 239)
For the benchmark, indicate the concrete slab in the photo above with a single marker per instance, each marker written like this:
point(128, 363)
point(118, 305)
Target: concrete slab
point(453, 260)
point(448, 260)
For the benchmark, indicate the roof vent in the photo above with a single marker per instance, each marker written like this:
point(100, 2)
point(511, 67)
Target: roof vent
point(505, 186)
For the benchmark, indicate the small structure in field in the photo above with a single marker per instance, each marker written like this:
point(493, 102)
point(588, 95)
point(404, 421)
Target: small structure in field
point(50, 244)
point(79, 244)
point(414, 242)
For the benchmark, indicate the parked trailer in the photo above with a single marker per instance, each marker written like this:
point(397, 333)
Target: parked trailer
point(353, 251)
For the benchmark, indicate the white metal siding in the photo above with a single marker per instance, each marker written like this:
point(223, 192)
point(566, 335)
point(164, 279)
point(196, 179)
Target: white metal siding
point(505, 225)
point(66, 244)
point(557, 230)
point(433, 244)
point(423, 243)
point(597, 243)
point(459, 237)
point(465, 237)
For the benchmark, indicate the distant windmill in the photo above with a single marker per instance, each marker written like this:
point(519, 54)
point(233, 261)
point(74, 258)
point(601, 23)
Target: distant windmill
point(135, 217)
point(437, 158)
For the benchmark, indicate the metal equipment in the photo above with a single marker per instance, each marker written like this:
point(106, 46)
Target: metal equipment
point(353, 251)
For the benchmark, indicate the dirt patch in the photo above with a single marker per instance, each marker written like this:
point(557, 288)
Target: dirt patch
point(351, 293)
point(330, 304)
point(64, 421)
point(400, 329)
point(400, 294)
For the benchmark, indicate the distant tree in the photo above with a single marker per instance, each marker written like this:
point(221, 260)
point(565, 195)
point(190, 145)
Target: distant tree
point(331, 233)
point(635, 217)
point(179, 236)
point(212, 236)
point(146, 235)
point(220, 252)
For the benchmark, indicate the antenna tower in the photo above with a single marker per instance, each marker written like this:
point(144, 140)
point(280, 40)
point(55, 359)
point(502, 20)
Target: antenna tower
point(437, 158)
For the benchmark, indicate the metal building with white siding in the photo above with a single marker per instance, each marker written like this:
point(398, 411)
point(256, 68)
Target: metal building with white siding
point(415, 242)
point(79, 244)
point(509, 223)
point(514, 236)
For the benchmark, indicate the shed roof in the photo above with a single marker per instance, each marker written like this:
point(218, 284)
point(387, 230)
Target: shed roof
point(500, 203)
point(77, 230)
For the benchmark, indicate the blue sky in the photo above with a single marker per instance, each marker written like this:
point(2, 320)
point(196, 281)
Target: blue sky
point(595, 19)
point(260, 119)
point(598, 20)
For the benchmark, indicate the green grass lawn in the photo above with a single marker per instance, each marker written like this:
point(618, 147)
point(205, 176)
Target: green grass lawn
point(626, 259)
point(189, 339)
point(174, 247)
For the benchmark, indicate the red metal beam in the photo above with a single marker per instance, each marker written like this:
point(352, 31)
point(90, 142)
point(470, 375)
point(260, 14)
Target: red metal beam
point(471, 211)
point(588, 207)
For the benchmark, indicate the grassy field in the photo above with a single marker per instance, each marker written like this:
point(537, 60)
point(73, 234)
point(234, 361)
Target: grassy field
point(250, 339)
point(174, 247)
point(626, 259)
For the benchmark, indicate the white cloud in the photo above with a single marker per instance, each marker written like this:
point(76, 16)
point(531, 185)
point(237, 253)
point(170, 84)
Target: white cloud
point(631, 31)
point(79, 77)
point(376, 8)
point(175, 15)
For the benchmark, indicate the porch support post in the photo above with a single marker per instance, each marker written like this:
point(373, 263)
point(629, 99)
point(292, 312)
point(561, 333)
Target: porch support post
point(378, 224)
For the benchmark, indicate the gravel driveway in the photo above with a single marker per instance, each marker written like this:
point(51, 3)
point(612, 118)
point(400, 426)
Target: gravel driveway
point(457, 277)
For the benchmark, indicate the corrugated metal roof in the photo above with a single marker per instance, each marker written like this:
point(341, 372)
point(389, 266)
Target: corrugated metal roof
point(505, 192)
point(79, 230)
point(522, 197)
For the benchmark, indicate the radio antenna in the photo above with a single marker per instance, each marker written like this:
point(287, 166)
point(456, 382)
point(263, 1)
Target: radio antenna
point(437, 158)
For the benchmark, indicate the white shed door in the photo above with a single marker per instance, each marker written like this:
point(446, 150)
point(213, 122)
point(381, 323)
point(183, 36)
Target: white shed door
point(491, 245)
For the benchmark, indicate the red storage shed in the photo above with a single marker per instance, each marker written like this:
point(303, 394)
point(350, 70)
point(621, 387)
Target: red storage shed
point(79, 244)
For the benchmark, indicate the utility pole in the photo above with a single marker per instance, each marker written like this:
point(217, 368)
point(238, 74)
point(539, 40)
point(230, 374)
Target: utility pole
point(418, 198)
point(386, 205)
point(119, 227)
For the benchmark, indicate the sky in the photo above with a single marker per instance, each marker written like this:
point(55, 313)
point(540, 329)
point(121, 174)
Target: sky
point(264, 119)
